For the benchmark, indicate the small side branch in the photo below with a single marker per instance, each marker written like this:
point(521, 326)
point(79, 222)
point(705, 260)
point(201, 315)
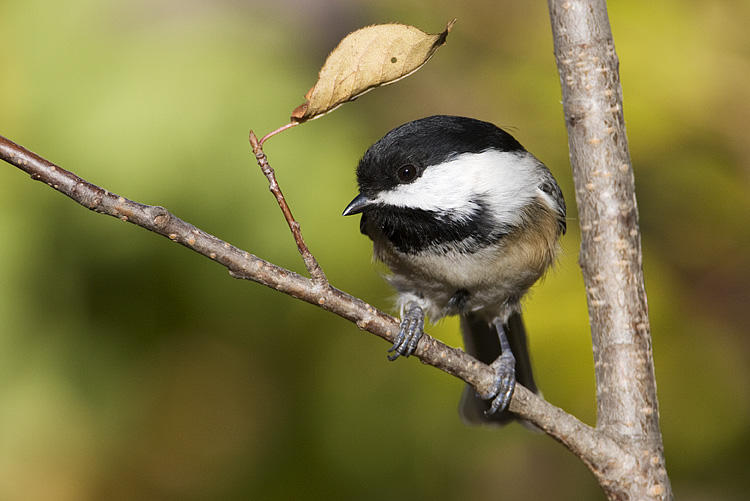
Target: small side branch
point(313, 268)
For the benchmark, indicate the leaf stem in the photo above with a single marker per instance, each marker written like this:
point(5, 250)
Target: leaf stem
point(273, 133)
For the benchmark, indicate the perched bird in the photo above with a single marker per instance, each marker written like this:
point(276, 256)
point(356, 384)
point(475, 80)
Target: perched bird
point(466, 220)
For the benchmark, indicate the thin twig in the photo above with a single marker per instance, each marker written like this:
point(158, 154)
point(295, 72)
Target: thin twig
point(273, 133)
point(313, 268)
point(591, 445)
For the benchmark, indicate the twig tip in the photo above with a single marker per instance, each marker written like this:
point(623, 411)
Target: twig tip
point(254, 141)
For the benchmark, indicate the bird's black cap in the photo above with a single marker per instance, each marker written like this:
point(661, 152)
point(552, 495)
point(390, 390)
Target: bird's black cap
point(424, 142)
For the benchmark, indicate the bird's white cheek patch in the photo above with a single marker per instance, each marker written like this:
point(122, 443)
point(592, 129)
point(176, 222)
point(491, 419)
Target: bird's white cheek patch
point(441, 187)
point(505, 180)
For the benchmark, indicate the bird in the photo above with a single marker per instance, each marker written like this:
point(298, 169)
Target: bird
point(466, 220)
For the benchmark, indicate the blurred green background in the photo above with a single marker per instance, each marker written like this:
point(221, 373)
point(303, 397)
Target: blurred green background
point(131, 368)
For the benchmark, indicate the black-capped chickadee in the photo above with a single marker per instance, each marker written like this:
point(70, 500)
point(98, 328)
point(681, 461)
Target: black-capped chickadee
point(466, 220)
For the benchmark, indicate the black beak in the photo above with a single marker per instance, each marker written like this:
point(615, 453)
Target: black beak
point(357, 205)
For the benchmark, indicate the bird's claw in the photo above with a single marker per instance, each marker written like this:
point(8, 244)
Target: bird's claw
point(410, 332)
point(504, 384)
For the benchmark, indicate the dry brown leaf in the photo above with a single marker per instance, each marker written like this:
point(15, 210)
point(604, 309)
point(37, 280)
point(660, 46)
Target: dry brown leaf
point(367, 58)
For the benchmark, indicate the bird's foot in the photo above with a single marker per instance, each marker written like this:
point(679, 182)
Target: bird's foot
point(505, 374)
point(504, 383)
point(411, 330)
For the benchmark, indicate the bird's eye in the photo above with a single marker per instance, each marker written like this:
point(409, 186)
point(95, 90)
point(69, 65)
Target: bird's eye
point(407, 173)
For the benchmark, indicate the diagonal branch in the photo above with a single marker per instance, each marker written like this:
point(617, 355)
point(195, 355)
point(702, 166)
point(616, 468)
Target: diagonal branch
point(592, 446)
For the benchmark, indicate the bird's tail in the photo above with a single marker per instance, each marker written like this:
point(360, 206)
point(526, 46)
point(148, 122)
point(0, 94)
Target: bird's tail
point(481, 341)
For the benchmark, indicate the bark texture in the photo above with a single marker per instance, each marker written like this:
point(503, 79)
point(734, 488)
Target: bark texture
point(610, 256)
